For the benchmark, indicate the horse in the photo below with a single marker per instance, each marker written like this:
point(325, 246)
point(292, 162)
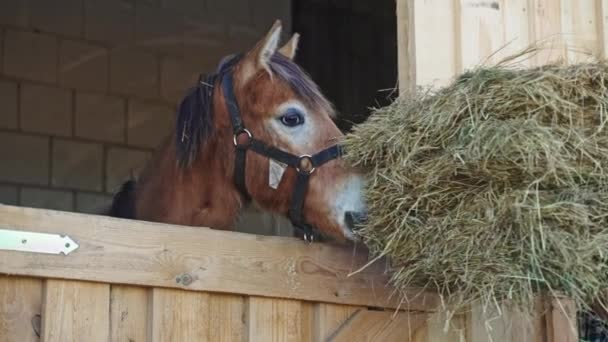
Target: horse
point(257, 131)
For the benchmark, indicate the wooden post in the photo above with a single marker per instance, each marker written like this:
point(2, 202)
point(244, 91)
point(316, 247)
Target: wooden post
point(561, 320)
point(406, 45)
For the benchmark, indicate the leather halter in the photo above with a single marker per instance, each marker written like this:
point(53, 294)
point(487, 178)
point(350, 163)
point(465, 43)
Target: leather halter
point(305, 165)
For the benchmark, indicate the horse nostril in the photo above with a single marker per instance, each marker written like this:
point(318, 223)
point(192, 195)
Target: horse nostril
point(354, 218)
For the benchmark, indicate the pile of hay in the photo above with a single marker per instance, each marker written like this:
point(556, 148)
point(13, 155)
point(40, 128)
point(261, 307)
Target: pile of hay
point(494, 187)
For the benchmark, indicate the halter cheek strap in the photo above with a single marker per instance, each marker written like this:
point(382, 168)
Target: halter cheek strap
point(304, 165)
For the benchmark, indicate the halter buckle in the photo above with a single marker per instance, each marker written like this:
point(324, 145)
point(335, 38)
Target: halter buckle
point(305, 169)
point(240, 132)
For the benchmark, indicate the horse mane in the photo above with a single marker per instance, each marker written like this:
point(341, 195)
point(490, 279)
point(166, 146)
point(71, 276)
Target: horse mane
point(123, 204)
point(194, 123)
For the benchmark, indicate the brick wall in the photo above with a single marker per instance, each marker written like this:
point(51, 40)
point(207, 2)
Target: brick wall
point(88, 88)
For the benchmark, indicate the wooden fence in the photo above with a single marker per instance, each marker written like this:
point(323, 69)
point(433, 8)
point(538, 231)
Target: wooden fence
point(138, 281)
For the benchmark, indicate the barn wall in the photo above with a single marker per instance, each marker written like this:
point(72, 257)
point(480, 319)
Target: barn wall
point(88, 88)
point(439, 39)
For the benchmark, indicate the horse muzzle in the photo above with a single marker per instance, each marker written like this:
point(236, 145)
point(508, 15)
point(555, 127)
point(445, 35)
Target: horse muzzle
point(354, 219)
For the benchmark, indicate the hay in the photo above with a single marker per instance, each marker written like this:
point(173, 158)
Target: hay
point(493, 188)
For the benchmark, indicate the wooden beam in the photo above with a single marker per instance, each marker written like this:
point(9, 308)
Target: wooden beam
point(160, 255)
point(406, 45)
point(561, 320)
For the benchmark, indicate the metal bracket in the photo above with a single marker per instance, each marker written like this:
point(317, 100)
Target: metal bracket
point(23, 241)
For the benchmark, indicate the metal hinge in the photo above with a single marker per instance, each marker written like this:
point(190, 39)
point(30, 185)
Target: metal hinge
point(23, 241)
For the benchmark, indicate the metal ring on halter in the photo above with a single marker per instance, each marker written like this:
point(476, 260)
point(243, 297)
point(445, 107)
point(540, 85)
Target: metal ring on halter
point(299, 166)
point(235, 136)
point(309, 238)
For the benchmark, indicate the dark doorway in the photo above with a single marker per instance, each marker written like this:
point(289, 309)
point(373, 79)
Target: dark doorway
point(350, 50)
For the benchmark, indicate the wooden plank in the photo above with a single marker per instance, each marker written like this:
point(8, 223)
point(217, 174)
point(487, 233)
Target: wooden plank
point(128, 313)
point(178, 315)
point(602, 20)
point(546, 30)
point(330, 317)
point(274, 320)
point(367, 325)
point(406, 43)
point(75, 311)
point(437, 39)
point(141, 253)
point(561, 320)
point(308, 322)
point(441, 329)
point(516, 28)
point(481, 31)
point(506, 325)
point(226, 314)
point(20, 302)
point(580, 29)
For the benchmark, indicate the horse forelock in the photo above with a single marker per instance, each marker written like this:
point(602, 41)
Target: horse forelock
point(300, 82)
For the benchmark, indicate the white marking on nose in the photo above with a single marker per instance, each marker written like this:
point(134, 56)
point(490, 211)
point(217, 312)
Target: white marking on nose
point(349, 198)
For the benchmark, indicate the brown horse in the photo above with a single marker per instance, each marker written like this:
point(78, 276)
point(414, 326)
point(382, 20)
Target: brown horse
point(260, 107)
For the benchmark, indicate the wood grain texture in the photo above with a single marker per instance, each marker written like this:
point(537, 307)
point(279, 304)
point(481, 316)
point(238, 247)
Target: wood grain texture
point(128, 314)
point(581, 29)
point(481, 32)
point(20, 301)
point(178, 315)
point(406, 44)
point(546, 30)
point(602, 20)
point(437, 41)
point(561, 320)
point(455, 35)
point(515, 16)
point(308, 322)
point(441, 329)
point(140, 253)
point(330, 317)
point(489, 324)
point(367, 325)
point(75, 311)
point(274, 320)
point(227, 318)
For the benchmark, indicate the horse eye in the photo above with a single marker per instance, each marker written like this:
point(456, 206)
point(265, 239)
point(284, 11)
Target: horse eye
point(292, 118)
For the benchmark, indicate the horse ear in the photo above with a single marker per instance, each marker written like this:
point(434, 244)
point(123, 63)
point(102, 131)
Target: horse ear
point(289, 49)
point(259, 57)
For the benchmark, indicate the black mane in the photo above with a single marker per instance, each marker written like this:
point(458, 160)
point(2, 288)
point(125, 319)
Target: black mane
point(194, 124)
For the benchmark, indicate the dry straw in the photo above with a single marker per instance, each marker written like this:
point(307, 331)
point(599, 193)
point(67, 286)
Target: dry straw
point(494, 187)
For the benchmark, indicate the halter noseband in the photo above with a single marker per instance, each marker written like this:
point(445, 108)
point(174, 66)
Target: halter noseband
point(305, 165)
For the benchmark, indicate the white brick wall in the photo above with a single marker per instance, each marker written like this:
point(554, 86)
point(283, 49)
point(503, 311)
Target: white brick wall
point(88, 88)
